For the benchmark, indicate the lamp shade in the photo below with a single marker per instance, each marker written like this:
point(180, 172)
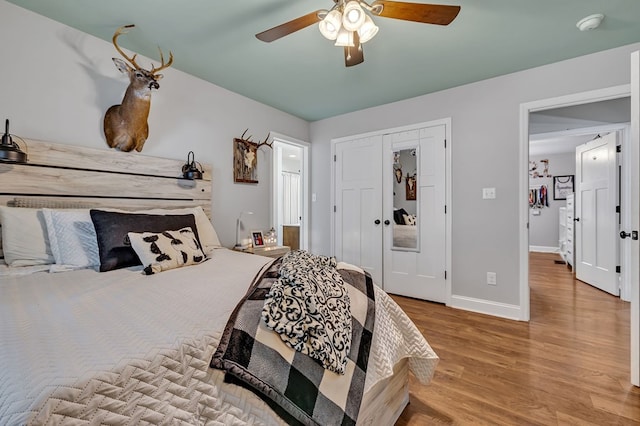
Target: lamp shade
point(345, 38)
point(10, 152)
point(352, 16)
point(330, 25)
point(192, 169)
point(239, 226)
point(368, 30)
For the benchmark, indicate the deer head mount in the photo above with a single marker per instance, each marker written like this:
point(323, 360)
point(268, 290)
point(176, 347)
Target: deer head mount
point(125, 125)
point(245, 157)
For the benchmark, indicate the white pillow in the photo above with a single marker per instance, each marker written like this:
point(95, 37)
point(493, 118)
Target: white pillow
point(24, 237)
point(166, 250)
point(409, 219)
point(72, 238)
point(206, 231)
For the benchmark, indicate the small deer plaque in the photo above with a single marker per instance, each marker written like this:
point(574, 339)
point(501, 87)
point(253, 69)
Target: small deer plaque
point(245, 158)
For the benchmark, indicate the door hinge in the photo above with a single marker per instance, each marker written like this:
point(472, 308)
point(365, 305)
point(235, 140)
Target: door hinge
point(617, 269)
point(335, 158)
point(445, 143)
point(445, 275)
point(618, 148)
point(617, 209)
point(445, 209)
point(334, 209)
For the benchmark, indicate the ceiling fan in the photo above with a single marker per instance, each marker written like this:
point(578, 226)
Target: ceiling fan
point(349, 22)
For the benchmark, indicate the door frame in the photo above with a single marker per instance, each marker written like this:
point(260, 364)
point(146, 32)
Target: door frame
point(525, 109)
point(448, 199)
point(304, 184)
point(634, 155)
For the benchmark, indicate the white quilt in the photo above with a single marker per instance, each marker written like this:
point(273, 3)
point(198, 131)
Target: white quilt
point(118, 347)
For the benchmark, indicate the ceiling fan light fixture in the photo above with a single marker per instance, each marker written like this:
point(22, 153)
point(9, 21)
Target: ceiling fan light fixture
point(368, 30)
point(330, 25)
point(352, 16)
point(345, 38)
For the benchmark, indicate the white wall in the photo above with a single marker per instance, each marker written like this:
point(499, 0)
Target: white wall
point(57, 82)
point(543, 228)
point(485, 133)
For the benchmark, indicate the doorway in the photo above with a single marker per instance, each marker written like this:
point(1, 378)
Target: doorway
point(591, 251)
point(628, 208)
point(290, 189)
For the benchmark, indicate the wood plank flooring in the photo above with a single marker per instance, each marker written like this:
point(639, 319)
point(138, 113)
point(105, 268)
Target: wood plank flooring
point(568, 366)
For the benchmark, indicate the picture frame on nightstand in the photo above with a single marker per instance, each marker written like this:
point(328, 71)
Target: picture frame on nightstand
point(257, 238)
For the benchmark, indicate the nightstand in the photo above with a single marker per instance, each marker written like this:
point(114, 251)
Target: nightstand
point(269, 251)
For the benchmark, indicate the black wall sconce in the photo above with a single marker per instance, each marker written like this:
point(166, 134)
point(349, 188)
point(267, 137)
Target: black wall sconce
point(192, 169)
point(10, 152)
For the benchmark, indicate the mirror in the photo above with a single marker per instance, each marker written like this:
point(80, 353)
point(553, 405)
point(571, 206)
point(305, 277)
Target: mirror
point(405, 199)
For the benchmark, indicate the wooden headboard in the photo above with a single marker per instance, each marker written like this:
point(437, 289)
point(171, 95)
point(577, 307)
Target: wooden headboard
point(102, 178)
point(89, 177)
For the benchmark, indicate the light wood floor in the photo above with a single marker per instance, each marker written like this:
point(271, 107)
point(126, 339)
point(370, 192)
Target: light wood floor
point(568, 366)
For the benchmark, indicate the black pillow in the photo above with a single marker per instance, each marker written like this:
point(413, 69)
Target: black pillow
point(112, 228)
point(397, 216)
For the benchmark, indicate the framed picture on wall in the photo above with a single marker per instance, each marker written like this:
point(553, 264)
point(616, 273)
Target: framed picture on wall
point(411, 187)
point(562, 186)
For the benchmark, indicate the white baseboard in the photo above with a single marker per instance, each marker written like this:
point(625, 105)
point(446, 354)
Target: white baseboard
point(543, 249)
point(481, 306)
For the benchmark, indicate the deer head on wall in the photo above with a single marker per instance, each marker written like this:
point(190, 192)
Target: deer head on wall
point(125, 125)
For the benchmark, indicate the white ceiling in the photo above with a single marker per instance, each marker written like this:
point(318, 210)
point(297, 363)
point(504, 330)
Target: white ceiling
point(304, 74)
point(561, 130)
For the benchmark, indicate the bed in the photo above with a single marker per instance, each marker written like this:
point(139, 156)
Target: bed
point(405, 236)
point(405, 229)
point(134, 344)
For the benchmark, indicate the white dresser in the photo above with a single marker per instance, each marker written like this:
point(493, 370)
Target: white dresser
point(562, 232)
point(569, 236)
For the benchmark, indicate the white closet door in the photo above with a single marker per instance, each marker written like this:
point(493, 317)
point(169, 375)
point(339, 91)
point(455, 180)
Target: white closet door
point(358, 195)
point(418, 273)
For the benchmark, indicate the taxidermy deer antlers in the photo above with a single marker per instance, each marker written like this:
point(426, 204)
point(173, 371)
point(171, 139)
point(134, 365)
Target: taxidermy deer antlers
point(125, 125)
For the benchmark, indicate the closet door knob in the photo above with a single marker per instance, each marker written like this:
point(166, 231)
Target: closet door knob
point(624, 235)
point(377, 222)
point(386, 222)
point(576, 219)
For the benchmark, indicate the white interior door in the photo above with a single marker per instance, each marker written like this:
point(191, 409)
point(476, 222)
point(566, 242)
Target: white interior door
point(358, 204)
point(595, 214)
point(418, 272)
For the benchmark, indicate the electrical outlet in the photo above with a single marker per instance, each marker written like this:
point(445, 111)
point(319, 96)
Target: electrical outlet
point(491, 278)
point(488, 193)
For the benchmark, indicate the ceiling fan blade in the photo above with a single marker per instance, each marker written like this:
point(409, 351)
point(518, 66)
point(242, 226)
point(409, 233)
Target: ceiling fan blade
point(291, 26)
point(438, 14)
point(354, 55)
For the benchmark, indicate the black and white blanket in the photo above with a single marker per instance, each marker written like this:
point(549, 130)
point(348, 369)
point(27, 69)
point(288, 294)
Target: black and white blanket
point(309, 307)
point(299, 388)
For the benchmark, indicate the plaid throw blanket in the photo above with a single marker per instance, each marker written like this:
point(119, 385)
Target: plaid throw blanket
point(295, 385)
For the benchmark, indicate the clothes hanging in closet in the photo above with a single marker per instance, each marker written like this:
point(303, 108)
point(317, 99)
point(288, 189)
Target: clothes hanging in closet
point(538, 197)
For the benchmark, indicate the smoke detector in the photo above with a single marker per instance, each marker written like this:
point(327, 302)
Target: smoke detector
point(590, 22)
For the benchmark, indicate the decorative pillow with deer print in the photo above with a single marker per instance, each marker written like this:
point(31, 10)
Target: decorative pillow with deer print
point(166, 250)
point(410, 219)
